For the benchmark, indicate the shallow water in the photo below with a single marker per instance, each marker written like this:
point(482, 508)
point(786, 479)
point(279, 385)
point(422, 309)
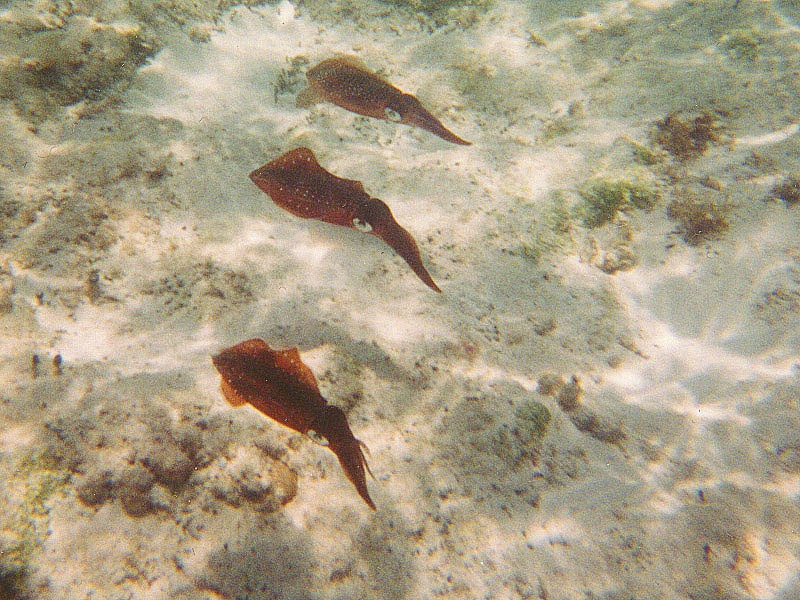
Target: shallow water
point(603, 402)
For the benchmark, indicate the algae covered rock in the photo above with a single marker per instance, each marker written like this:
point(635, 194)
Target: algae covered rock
point(67, 233)
point(79, 60)
point(618, 258)
point(59, 53)
point(248, 477)
point(455, 12)
point(25, 521)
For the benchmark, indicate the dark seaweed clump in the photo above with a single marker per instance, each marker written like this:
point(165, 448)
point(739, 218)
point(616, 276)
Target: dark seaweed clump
point(686, 140)
point(13, 583)
point(698, 220)
point(788, 191)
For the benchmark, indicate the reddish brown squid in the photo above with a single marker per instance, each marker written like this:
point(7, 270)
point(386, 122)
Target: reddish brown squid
point(278, 384)
point(297, 183)
point(346, 82)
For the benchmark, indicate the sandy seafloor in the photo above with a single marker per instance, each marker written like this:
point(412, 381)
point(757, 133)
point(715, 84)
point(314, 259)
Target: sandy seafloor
point(133, 246)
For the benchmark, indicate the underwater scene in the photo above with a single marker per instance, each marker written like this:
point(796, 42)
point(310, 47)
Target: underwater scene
point(405, 300)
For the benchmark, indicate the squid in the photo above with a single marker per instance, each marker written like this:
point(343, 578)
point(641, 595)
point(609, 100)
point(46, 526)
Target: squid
point(278, 384)
point(297, 183)
point(346, 82)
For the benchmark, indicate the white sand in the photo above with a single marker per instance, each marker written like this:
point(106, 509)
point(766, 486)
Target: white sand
point(677, 476)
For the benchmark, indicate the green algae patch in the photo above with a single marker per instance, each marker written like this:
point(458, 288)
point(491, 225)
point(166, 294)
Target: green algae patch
point(520, 439)
point(533, 417)
point(549, 231)
point(741, 44)
point(603, 197)
point(642, 155)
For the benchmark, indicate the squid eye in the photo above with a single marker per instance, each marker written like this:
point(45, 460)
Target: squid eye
point(392, 114)
point(317, 438)
point(361, 225)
